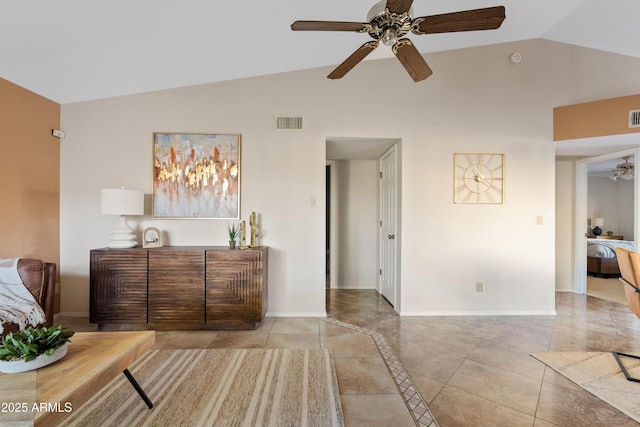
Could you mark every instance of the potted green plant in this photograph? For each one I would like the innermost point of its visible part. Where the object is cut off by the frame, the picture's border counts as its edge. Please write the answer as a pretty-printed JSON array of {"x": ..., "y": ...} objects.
[
  {"x": 234, "y": 232},
  {"x": 32, "y": 348}
]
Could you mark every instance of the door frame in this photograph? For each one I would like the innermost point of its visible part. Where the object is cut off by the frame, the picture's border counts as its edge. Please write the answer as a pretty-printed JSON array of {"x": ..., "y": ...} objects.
[
  {"x": 333, "y": 230},
  {"x": 580, "y": 226},
  {"x": 334, "y": 258}
]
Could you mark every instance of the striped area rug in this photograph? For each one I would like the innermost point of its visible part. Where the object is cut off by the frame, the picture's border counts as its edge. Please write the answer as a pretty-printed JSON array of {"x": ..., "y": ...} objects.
[{"x": 265, "y": 387}]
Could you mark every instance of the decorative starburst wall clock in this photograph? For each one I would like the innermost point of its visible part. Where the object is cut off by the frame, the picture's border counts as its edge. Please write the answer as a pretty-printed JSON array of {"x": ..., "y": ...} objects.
[{"x": 478, "y": 178}]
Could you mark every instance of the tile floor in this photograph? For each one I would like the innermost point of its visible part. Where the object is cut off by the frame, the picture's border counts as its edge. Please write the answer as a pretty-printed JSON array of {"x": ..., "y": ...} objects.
[{"x": 470, "y": 370}]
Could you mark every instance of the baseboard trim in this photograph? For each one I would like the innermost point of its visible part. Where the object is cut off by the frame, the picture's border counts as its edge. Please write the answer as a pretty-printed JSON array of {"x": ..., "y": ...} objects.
[
  {"x": 478, "y": 313},
  {"x": 71, "y": 314},
  {"x": 285, "y": 314}
]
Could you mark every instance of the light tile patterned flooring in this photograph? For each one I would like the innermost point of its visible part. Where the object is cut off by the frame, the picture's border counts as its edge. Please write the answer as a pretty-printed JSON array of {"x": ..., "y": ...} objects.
[{"x": 470, "y": 370}]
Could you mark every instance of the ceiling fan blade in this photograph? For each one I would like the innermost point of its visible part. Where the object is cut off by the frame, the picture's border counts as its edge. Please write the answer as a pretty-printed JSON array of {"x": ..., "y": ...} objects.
[
  {"x": 411, "y": 60},
  {"x": 399, "y": 6},
  {"x": 327, "y": 26},
  {"x": 353, "y": 60},
  {"x": 488, "y": 18}
]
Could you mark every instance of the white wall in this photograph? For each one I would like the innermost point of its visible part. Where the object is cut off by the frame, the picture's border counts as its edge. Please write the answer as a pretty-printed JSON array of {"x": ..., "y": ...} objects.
[
  {"x": 476, "y": 101},
  {"x": 357, "y": 186},
  {"x": 612, "y": 201},
  {"x": 626, "y": 208}
]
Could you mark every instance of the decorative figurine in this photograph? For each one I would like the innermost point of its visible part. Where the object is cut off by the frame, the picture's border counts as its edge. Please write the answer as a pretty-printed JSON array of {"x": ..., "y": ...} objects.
[
  {"x": 254, "y": 230},
  {"x": 243, "y": 235}
]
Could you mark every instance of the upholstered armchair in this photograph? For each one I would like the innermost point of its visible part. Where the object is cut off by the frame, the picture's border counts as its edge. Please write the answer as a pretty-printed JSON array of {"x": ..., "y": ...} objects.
[
  {"x": 629, "y": 263},
  {"x": 39, "y": 277}
]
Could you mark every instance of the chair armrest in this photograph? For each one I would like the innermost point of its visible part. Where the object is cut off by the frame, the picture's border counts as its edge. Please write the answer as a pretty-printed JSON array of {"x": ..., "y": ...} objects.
[{"x": 40, "y": 279}]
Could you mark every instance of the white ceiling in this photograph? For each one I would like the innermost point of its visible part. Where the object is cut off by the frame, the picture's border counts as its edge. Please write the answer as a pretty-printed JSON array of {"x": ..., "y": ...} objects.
[{"x": 78, "y": 50}]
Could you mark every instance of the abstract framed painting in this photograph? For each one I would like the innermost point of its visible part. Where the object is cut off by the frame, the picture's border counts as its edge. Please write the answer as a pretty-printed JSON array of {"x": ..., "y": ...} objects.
[{"x": 196, "y": 175}]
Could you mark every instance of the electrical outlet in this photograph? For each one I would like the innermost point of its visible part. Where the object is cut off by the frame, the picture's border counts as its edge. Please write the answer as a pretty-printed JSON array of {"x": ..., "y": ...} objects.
[
  {"x": 313, "y": 202},
  {"x": 479, "y": 286}
]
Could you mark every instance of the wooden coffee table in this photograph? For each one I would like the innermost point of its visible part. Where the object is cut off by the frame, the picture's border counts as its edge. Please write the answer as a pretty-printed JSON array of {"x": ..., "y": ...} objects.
[{"x": 47, "y": 395}]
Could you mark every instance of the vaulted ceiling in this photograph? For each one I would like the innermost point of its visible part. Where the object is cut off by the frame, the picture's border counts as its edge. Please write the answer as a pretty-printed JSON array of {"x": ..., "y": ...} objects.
[{"x": 76, "y": 50}]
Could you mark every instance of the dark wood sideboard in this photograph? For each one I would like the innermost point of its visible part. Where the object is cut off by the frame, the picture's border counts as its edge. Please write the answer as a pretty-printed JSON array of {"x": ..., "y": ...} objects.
[{"x": 178, "y": 288}]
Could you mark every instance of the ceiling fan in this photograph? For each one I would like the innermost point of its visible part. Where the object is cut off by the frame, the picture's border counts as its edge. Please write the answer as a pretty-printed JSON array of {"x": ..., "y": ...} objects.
[
  {"x": 623, "y": 170},
  {"x": 390, "y": 20}
]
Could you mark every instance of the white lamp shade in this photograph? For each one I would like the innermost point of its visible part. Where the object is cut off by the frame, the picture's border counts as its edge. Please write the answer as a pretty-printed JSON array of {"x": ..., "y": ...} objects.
[
  {"x": 121, "y": 202},
  {"x": 598, "y": 222}
]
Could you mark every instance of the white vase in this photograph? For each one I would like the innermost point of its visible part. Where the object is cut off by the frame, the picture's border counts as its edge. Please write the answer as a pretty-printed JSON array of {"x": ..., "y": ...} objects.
[{"x": 15, "y": 366}]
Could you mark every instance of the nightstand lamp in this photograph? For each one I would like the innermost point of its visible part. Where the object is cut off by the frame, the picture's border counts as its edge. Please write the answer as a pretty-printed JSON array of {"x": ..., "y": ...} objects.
[
  {"x": 597, "y": 223},
  {"x": 122, "y": 202}
]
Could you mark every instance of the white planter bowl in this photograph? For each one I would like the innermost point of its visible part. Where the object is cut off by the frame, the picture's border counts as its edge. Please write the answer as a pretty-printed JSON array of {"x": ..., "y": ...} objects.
[{"x": 15, "y": 366}]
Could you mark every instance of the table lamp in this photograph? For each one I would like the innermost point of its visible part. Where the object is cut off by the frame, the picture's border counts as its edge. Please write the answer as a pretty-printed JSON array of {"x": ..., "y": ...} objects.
[{"x": 122, "y": 202}]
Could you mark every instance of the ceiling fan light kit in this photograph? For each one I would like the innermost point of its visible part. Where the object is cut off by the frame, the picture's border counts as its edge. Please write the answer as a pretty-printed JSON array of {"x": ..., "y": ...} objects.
[
  {"x": 390, "y": 20},
  {"x": 623, "y": 171}
]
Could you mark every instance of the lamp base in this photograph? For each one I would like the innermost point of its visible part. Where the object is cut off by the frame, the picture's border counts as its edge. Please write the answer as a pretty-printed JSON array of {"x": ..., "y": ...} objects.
[
  {"x": 596, "y": 231},
  {"x": 114, "y": 244},
  {"x": 123, "y": 237}
]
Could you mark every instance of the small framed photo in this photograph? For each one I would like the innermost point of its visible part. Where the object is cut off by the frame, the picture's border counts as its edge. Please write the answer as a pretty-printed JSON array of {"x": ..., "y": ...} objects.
[{"x": 151, "y": 238}]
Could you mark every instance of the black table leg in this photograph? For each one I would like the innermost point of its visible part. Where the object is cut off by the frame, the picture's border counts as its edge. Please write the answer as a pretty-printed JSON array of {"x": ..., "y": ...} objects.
[
  {"x": 139, "y": 389},
  {"x": 622, "y": 367}
]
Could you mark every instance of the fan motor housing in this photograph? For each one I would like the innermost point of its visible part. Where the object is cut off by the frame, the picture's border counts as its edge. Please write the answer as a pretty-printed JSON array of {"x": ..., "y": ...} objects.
[{"x": 382, "y": 21}]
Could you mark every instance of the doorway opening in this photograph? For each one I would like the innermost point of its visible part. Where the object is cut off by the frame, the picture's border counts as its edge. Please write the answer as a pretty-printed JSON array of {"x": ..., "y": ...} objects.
[
  {"x": 352, "y": 178},
  {"x": 583, "y": 212}
]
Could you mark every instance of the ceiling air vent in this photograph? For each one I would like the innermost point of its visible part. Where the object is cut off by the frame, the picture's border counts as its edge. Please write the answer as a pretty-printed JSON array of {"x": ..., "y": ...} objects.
[
  {"x": 634, "y": 119},
  {"x": 288, "y": 122}
]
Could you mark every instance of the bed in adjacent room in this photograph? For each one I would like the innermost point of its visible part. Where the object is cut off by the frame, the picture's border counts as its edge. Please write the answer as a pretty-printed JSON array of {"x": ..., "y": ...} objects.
[{"x": 601, "y": 256}]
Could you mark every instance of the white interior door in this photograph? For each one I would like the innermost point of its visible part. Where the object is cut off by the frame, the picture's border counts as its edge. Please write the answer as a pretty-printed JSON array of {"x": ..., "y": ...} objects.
[{"x": 388, "y": 225}]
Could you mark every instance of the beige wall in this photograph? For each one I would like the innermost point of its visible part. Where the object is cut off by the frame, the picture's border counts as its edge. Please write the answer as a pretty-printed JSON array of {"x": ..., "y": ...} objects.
[
  {"x": 565, "y": 219},
  {"x": 595, "y": 76},
  {"x": 30, "y": 175},
  {"x": 597, "y": 118},
  {"x": 497, "y": 108}
]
